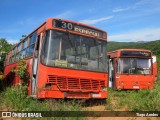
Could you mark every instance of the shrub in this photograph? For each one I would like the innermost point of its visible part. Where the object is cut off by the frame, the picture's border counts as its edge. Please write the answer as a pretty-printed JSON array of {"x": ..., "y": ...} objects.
[{"x": 22, "y": 71}]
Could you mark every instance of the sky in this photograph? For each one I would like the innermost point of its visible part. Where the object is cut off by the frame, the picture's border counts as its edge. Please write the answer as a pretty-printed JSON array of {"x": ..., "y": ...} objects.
[{"x": 124, "y": 20}]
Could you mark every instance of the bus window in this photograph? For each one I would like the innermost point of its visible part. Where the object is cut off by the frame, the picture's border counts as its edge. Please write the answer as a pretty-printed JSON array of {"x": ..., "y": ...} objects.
[
  {"x": 23, "y": 54},
  {"x": 19, "y": 47},
  {"x": 17, "y": 56},
  {"x": 74, "y": 51},
  {"x": 134, "y": 66},
  {"x": 33, "y": 38},
  {"x": 30, "y": 50},
  {"x": 25, "y": 43}
]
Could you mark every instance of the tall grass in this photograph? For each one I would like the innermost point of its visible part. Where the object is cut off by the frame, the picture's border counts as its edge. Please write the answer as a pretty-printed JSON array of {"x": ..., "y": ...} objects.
[
  {"x": 16, "y": 99},
  {"x": 142, "y": 100}
]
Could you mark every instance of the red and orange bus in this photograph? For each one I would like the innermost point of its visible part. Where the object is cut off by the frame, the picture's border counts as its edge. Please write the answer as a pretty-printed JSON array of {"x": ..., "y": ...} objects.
[
  {"x": 65, "y": 59},
  {"x": 131, "y": 69}
]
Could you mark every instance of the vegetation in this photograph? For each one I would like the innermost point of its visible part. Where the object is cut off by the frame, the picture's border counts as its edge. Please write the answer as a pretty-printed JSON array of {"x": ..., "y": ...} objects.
[
  {"x": 4, "y": 48},
  {"x": 142, "y": 100},
  {"x": 16, "y": 99},
  {"x": 22, "y": 71}
]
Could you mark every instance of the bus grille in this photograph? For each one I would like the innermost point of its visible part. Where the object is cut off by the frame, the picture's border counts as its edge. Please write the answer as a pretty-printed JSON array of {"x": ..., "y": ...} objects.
[{"x": 67, "y": 83}]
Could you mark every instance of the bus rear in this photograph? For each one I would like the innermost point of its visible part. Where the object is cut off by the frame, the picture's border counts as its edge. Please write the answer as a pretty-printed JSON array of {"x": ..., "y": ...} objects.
[{"x": 131, "y": 69}]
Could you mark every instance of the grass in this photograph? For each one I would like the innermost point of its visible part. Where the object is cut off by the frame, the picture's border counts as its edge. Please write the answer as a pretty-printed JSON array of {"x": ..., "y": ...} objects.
[
  {"x": 16, "y": 99},
  {"x": 142, "y": 100}
]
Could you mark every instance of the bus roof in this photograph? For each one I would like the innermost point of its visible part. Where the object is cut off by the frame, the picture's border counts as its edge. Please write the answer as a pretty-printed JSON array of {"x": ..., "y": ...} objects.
[
  {"x": 50, "y": 20},
  {"x": 129, "y": 52},
  {"x": 128, "y": 49},
  {"x": 78, "y": 23}
]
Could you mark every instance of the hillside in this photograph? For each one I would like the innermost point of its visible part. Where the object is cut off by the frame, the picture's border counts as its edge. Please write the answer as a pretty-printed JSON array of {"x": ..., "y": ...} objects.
[{"x": 154, "y": 46}]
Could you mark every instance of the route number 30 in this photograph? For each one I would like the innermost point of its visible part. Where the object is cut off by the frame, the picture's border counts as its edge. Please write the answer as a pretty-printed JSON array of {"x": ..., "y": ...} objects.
[{"x": 66, "y": 25}]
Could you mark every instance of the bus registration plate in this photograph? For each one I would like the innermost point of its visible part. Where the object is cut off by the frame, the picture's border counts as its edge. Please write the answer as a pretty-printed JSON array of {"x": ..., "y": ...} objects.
[
  {"x": 96, "y": 95},
  {"x": 136, "y": 87}
]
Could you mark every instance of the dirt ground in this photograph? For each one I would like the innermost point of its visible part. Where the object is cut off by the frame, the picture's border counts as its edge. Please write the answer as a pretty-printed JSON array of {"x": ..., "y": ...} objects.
[{"x": 102, "y": 108}]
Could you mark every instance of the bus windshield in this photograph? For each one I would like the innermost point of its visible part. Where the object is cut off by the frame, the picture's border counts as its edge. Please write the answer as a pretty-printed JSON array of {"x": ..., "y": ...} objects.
[
  {"x": 72, "y": 51},
  {"x": 134, "y": 66}
]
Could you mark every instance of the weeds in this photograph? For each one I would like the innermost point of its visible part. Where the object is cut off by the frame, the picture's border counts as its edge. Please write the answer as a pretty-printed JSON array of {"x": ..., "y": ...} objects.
[
  {"x": 16, "y": 99},
  {"x": 142, "y": 100}
]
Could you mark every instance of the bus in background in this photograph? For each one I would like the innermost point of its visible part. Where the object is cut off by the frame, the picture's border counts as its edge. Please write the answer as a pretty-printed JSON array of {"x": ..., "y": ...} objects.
[
  {"x": 131, "y": 69},
  {"x": 65, "y": 59}
]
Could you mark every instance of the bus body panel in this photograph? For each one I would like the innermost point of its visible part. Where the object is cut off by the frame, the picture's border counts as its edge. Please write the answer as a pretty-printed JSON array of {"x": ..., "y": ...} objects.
[
  {"x": 134, "y": 81},
  {"x": 55, "y": 82}
]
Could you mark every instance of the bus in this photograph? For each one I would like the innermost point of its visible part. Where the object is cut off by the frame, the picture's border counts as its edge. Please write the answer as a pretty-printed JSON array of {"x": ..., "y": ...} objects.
[
  {"x": 65, "y": 59},
  {"x": 131, "y": 69}
]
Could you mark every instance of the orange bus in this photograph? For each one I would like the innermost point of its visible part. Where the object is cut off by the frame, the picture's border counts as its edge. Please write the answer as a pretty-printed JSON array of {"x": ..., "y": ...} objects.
[
  {"x": 65, "y": 59},
  {"x": 131, "y": 69}
]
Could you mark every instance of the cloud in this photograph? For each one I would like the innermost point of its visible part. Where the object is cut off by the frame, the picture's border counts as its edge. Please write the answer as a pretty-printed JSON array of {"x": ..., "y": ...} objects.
[
  {"x": 140, "y": 4},
  {"x": 137, "y": 35},
  {"x": 12, "y": 41},
  {"x": 143, "y": 2},
  {"x": 67, "y": 14},
  {"x": 120, "y": 9},
  {"x": 95, "y": 21}
]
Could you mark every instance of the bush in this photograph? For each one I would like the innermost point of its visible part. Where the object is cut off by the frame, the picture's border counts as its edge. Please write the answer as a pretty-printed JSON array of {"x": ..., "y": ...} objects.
[
  {"x": 22, "y": 71},
  {"x": 17, "y": 99}
]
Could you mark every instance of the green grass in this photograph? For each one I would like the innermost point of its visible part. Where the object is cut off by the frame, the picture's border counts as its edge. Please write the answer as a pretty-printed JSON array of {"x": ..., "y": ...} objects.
[
  {"x": 16, "y": 99},
  {"x": 142, "y": 100}
]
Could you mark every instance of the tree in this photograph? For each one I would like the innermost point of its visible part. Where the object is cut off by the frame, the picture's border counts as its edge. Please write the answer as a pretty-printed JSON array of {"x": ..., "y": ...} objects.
[{"x": 4, "y": 48}]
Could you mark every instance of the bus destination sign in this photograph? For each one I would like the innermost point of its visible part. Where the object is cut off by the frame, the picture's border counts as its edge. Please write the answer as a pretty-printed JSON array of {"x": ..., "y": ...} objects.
[
  {"x": 136, "y": 53},
  {"x": 78, "y": 28}
]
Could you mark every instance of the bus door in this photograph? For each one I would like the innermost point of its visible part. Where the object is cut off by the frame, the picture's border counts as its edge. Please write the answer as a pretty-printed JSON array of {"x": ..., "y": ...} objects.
[
  {"x": 111, "y": 73},
  {"x": 35, "y": 65}
]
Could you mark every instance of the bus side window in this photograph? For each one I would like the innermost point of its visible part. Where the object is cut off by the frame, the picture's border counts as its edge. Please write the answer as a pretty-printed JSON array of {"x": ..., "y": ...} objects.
[
  {"x": 30, "y": 50},
  {"x": 37, "y": 46},
  {"x": 33, "y": 38}
]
